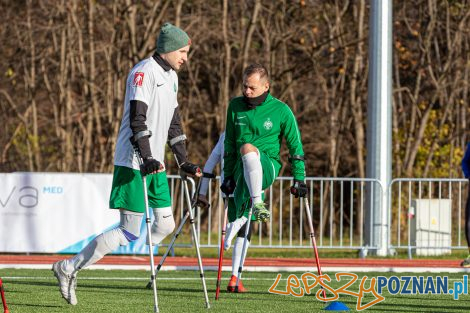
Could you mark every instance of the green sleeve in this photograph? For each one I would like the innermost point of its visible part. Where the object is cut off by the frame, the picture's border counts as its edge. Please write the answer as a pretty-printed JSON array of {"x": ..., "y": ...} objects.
[
  {"x": 294, "y": 142},
  {"x": 230, "y": 156}
]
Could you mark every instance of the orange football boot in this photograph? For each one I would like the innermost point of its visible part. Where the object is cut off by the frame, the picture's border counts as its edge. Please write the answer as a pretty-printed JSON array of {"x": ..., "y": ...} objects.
[{"x": 232, "y": 285}]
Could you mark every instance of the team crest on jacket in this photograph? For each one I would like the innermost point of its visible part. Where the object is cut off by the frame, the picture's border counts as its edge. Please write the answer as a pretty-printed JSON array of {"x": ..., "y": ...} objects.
[
  {"x": 268, "y": 124},
  {"x": 138, "y": 79}
]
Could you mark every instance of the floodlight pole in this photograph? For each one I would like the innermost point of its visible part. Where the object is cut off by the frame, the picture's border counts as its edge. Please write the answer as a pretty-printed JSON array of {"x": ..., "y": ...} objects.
[{"x": 379, "y": 124}]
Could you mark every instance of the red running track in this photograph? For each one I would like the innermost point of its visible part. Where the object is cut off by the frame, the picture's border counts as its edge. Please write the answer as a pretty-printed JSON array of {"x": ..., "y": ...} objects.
[{"x": 274, "y": 262}]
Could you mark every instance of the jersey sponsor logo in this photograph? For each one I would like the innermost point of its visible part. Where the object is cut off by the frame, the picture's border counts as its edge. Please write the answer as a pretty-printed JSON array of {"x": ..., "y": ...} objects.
[
  {"x": 138, "y": 79},
  {"x": 268, "y": 124},
  {"x": 240, "y": 117}
]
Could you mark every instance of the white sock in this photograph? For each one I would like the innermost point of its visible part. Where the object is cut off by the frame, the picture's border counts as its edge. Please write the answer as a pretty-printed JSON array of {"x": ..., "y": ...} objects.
[
  {"x": 237, "y": 254},
  {"x": 253, "y": 173},
  {"x": 232, "y": 231},
  {"x": 96, "y": 249},
  {"x": 163, "y": 225}
]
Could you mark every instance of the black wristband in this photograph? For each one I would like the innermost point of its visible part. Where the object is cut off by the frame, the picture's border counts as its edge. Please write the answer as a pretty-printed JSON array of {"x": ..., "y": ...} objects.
[{"x": 190, "y": 168}]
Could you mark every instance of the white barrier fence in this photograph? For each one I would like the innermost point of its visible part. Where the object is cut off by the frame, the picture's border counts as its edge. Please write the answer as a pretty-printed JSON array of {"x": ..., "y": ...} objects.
[
  {"x": 426, "y": 216},
  {"x": 61, "y": 213},
  {"x": 337, "y": 206}
]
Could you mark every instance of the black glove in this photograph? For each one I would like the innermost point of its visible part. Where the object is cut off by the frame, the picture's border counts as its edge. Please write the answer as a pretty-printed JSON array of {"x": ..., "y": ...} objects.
[
  {"x": 149, "y": 166},
  {"x": 202, "y": 202},
  {"x": 299, "y": 189},
  {"x": 189, "y": 168},
  {"x": 228, "y": 185}
]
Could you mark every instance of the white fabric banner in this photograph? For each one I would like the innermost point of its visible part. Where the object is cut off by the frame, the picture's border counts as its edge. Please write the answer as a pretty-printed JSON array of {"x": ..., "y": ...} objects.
[{"x": 56, "y": 213}]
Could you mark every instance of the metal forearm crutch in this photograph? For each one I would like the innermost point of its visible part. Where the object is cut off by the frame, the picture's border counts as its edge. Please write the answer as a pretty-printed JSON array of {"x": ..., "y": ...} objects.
[
  {"x": 195, "y": 238},
  {"x": 221, "y": 250},
  {"x": 179, "y": 229},
  {"x": 149, "y": 233},
  {"x": 314, "y": 242},
  {"x": 245, "y": 248}
]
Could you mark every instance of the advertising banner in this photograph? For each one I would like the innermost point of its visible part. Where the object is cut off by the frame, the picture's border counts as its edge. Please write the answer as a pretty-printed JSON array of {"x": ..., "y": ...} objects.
[{"x": 57, "y": 213}]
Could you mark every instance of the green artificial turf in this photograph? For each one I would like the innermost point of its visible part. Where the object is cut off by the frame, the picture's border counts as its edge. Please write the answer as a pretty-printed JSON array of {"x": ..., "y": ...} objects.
[{"x": 29, "y": 290}]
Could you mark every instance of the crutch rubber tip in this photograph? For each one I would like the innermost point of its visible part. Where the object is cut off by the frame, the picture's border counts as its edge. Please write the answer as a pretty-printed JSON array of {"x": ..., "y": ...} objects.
[{"x": 149, "y": 285}]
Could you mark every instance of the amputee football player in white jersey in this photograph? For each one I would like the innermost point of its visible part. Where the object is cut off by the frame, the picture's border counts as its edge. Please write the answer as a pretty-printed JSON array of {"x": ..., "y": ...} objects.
[{"x": 152, "y": 120}]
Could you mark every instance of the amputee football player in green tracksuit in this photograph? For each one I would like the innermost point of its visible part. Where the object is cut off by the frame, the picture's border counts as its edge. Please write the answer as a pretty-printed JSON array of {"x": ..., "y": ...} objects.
[{"x": 256, "y": 124}]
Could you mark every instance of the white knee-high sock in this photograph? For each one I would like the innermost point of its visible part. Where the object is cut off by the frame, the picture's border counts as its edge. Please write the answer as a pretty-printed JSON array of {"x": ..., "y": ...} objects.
[
  {"x": 96, "y": 249},
  {"x": 253, "y": 173},
  {"x": 237, "y": 254},
  {"x": 232, "y": 231}
]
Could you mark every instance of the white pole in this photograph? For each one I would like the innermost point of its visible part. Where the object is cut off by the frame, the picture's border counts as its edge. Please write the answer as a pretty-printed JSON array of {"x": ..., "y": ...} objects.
[{"x": 379, "y": 123}]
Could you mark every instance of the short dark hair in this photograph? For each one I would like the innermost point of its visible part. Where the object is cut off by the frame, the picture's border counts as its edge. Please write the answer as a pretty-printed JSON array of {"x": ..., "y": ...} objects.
[{"x": 256, "y": 68}]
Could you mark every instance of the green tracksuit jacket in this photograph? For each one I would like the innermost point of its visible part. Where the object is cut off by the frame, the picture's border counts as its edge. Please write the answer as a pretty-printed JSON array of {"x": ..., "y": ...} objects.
[{"x": 263, "y": 127}]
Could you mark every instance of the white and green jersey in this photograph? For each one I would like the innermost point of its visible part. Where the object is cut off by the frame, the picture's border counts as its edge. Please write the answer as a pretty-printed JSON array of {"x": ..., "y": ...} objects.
[{"x": 150, "y": 83}]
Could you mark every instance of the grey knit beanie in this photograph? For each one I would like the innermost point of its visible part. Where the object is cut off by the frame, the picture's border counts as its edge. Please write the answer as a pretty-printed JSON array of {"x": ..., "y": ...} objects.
[{"x": 171, "y": 38}]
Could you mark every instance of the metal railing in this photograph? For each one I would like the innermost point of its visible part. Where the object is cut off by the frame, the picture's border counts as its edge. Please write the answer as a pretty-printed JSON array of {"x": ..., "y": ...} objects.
[
  {"x": 338, "y": 208},
  {"x": 447, "y": 195}
]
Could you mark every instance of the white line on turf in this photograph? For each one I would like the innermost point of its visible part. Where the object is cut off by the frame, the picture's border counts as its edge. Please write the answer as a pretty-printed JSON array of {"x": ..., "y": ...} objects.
[
  {"x": 123, "y": 278},
  {"x": 146, "y": 278},
  {"x": 275, "y": 269}
]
